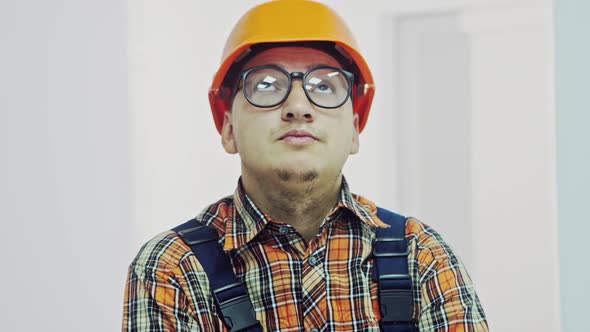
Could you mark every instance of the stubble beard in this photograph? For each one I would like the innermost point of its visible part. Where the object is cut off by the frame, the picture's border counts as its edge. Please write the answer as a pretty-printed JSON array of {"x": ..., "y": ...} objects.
[{"x": 300, "y": 177}]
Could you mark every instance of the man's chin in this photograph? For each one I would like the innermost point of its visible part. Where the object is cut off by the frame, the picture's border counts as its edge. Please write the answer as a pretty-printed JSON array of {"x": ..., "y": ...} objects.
[{"x": 297, "y": 176}]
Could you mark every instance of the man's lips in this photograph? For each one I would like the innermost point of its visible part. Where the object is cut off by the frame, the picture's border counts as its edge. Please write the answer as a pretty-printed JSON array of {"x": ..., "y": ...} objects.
[
  {"x": 298, "y": 137},
  {"x": 297, "y": 133}
]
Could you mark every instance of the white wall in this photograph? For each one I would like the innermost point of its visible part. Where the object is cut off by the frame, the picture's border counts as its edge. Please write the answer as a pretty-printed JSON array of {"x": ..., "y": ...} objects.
[
  {"x": 65, "y": 179},
  {"x": 513, "y": 165}
]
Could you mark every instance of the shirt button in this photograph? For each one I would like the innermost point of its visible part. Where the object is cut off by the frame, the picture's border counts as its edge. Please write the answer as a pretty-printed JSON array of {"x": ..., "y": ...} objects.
[
  {"x": 284, "y": 230},
  {"x": 314, "y": 330},
  {"x": 312, "y": 261}
]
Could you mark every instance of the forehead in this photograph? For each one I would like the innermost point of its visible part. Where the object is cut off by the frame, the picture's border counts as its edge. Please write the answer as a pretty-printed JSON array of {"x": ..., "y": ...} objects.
[{"x": 293, "y": 58}]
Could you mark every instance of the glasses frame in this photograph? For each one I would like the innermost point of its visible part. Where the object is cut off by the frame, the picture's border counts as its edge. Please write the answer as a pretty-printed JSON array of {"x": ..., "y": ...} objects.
[{"x": 295, "y": 75}]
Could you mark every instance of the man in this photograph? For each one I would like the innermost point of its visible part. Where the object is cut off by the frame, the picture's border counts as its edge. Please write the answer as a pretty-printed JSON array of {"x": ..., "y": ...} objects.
[{"x": 291, "y": 97}]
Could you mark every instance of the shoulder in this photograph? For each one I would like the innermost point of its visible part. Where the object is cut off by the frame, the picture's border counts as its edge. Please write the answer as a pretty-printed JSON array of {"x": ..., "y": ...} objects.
[
  {"x": 428, "y": 247},
  {"x": 163, "y": 253},
  {"x": 168, "y": 253}
]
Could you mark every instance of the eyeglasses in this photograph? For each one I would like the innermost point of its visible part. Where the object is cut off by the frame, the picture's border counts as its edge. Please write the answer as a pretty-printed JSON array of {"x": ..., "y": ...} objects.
[{"x": 268, "y": 86}]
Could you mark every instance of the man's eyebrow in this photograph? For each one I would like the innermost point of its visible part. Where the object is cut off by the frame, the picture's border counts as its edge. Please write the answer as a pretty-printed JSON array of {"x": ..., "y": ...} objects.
[
  {"x": 316, "y": 65},
  {"x": 307, "y": 67}
]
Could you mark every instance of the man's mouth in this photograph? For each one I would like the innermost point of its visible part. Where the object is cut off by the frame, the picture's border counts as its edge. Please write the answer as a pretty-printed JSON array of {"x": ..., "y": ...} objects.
[{"x": 298, "y": 137}]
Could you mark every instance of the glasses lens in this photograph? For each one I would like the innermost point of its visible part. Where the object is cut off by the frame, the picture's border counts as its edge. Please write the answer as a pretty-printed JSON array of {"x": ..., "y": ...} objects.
[
  {"x": 327, "y": 87},
  {"x": 266, "y": 86}
]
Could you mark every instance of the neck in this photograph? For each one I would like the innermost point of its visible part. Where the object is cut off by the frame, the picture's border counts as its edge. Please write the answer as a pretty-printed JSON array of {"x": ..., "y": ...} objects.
[{"x": 300, "y": 202}]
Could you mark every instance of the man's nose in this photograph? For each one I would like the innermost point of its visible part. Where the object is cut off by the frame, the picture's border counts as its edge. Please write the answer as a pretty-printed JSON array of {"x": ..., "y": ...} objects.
[{"x": 297, "y": 106}]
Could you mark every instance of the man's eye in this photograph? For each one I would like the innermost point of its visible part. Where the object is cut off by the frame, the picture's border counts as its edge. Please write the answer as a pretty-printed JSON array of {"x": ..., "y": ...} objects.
[
  {"x": 265, "y": 86},
  {"x": 322, "y": 88}
]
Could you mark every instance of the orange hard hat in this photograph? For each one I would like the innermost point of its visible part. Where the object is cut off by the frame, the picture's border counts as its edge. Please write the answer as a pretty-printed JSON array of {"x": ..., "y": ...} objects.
[{"x": 290, "y": 21}]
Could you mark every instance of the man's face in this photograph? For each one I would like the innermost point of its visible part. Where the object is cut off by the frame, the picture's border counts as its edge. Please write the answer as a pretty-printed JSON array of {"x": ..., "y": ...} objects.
[{"x": 296, "y": 140}]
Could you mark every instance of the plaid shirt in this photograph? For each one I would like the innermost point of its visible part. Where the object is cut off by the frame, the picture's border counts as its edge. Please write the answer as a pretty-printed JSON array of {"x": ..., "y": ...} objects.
[{"x": 325, "y": 285}]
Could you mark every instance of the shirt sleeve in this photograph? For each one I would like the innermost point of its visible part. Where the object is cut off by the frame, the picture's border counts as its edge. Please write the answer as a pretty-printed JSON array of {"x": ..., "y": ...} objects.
[{"x": 448, "y": 299}]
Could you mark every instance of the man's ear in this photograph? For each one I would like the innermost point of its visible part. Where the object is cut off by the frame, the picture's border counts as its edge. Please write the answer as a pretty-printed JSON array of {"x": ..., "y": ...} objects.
[
  {"x": 227, "y": 134},
  {"x": 354, "y": 148}
]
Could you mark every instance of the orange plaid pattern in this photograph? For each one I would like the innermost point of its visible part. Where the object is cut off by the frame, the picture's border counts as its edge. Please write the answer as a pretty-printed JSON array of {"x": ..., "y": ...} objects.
[{"x": 325, "y": 285}]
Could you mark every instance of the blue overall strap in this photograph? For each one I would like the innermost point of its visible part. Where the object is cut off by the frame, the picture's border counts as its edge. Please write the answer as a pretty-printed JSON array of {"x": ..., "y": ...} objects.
[
  {"x": 230, "y": 295},
  {"x": 390, "y": 271}
]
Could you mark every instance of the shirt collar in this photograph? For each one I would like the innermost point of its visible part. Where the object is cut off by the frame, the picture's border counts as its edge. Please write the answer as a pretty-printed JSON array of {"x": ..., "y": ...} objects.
[
  {"x": 247, "y": 220},
  {"x": 363, "y": 208}
]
